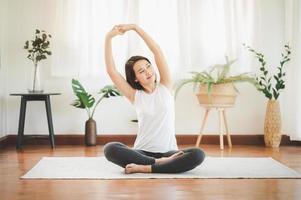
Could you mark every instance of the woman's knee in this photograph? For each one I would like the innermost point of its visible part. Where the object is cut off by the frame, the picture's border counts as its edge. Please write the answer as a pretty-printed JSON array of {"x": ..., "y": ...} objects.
[
  {"x": 110, "y": 148},
  {"x": 198, "y": 155}
]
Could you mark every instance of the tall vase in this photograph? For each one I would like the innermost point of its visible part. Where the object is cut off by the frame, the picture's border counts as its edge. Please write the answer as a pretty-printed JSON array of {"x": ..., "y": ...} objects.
[
  {"x": 90, "y": 132},
  {"x": 35, "y": 85},
  {"x": 272, "y": 124}
]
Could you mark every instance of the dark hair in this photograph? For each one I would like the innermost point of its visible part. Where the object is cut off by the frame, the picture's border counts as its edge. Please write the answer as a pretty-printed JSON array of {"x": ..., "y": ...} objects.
[{"x": 130, "y": 73}]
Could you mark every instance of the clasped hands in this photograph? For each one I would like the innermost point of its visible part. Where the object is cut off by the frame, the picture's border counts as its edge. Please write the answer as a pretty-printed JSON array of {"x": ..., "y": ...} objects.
[{"x": 120, "y": 29}]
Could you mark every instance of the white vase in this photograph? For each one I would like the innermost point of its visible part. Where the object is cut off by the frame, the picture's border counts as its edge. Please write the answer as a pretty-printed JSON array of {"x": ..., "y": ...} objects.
[{"x": 35, "y": 85}]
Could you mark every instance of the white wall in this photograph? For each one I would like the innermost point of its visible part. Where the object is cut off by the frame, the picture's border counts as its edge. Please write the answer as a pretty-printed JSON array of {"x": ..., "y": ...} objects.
[
  {"x": 113, "y": 116},
  {"x": 3, "y": 20}
]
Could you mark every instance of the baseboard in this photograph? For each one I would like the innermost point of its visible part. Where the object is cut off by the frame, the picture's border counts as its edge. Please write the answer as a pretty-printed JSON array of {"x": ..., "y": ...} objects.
[
  {"x": 129, "y": 139},
  {"x": 4, "y": 141}
]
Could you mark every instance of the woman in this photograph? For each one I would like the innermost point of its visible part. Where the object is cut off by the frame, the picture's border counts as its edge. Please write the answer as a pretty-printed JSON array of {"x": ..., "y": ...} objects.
[{"x": 155, "y": 149}]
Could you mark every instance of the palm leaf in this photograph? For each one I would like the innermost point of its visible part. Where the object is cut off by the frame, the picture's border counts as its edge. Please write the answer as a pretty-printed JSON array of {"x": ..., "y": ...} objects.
[
  {"x": 86, "y": 100},
  {"x": 77, "y": 87},
  {"x": 110, "y": 91},
  {"x": 240, "y": 78},
  {"x": 226, "y": 69},
  {"x": 209, "y": 88},
  {"x": 208, "y": 77},
  {"x": 78, "y": 104}
]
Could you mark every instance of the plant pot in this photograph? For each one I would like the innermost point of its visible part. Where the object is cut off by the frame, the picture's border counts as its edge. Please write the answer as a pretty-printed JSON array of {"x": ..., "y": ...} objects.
[
  {"x": 221, "y": 94},
  {"x": 90, "y": 132},
  {"x": 272, "y": 124}
]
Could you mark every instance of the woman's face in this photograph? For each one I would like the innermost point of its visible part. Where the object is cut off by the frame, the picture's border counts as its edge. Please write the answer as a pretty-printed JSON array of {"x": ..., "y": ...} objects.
[{"x": 144, "y": 72}]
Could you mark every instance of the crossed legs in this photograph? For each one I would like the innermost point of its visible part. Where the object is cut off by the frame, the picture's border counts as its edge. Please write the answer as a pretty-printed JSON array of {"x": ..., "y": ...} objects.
[{"x": 147, "y": 162}]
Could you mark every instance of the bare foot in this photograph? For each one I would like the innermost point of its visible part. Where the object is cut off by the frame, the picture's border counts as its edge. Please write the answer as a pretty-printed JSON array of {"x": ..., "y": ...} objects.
[
  {"x": 133, "y": 168},
  {"x": 173, "y": 156}
]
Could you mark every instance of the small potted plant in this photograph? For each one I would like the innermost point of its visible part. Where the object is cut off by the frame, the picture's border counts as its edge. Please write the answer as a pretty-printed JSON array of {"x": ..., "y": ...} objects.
[
  {"x": 216, "y": 86},
  {"x": 38, "y": 50},
  {"x": 87, "y": 101},
  {"x": 270, "y": 86}
]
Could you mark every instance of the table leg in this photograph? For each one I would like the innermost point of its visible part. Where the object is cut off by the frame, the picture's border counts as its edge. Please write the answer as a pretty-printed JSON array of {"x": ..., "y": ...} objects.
[
  {"x": 49, "y": 120},
  {"x": 227, "y": 130},
  {"x": 221, "y": 139},
  {"x": 21, "y": 122},
  {"x": 202, "y": 128}
]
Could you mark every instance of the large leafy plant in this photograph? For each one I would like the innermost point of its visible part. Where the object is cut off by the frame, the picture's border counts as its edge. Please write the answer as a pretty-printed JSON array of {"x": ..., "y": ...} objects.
[
  {"x": 217, "y": 74},
  {"x": 271, "y": 85},
  {"x": 87, "y": 101}
]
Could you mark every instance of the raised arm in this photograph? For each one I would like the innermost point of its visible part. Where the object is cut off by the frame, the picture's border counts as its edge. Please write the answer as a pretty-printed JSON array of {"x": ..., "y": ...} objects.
[
  {"x": 115, "y": 76},
  {"x": 165, "y": 77}
]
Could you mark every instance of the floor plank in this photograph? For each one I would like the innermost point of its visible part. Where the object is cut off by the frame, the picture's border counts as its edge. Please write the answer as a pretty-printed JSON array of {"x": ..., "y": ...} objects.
[{"x": 16, "y": 163}]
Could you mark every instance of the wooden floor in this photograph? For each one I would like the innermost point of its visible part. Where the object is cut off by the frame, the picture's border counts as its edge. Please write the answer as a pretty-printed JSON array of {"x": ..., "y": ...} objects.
[{"x": 13, "y": 164}]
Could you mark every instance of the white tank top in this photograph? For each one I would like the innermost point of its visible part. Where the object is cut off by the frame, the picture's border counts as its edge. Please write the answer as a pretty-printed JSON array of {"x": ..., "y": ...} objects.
[{"x": 156, "y": 120}]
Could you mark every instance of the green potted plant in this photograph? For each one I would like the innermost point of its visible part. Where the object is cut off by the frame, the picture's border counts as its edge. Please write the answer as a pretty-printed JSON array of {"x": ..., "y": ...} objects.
[
  {"x": 38, "y": 50},
  {"x": 270, "y": 86},
  {"x": 87, "y": 101},
  {"x": 216, "y": 86}
]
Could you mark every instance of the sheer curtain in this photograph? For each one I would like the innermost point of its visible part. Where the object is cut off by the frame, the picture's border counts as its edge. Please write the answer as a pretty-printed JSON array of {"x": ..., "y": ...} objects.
[
  {"x": 79, "y": 29},
  {"x": 292, "y": 94},
  {"x": 213, "y": 29},
  {"x": 192, "y": 34}
]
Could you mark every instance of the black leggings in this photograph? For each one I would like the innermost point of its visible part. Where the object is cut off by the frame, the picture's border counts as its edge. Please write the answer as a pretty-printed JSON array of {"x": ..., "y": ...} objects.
[{"x": 122, "y": 155}]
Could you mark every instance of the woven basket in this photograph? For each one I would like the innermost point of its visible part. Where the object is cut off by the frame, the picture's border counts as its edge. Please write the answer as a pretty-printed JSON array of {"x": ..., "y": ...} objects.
[
  {"x": 272, "y": 124},
  {"x": 221, "y": 94}
]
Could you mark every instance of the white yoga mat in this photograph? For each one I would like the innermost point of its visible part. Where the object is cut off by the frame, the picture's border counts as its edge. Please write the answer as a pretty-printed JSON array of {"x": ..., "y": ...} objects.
[{"x": 212, "y": 167}]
